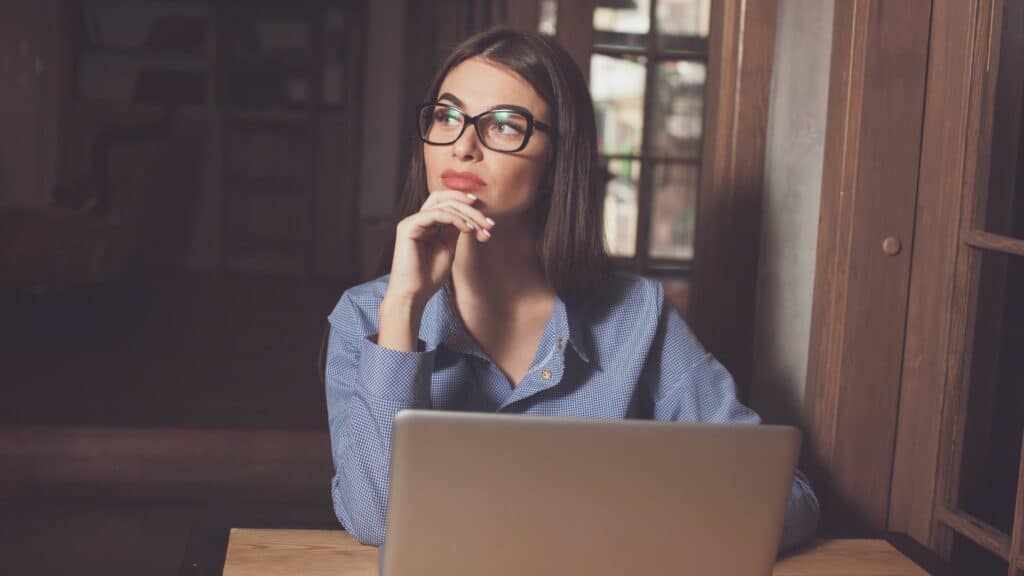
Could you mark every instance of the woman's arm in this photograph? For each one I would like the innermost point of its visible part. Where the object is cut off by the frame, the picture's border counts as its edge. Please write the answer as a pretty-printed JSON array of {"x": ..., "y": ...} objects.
[
  {"x": 367, "y": 385},
  {"x": 376, "y": 368},
  {"x": 689, "y": 384}
]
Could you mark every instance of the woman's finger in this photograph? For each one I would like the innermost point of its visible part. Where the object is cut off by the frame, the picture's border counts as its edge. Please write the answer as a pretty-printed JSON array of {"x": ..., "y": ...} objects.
[
  {"x": 421, "y": 223},
  {"x": 438, "y": 196},
  {"x": 470, "y": 213},
  {"x": 482, "y": 234}
]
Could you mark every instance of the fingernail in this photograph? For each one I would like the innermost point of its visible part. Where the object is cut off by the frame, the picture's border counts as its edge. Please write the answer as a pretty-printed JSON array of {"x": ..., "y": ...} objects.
[
  {"x": 470, "y": 196},
  {"x": 486, "y": 233}
]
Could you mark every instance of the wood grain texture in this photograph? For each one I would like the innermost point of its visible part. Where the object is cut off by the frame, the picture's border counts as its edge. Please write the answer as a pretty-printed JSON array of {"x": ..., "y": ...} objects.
[
  {"x": 308, "y": 552},
  {"x": 933, "y": 266},
  {"x": 995, "y": 242},
  {"x": 872, "y": 146},
  {"x": 314, "y": 552},
  {"x": 966, "y": 274},
  {"x": 848, "y": 558},
  {"x": 977, "y": 531}
]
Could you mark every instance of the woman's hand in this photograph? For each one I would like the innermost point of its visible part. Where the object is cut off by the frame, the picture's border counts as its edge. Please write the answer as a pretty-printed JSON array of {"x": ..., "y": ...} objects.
[{"x": 424, "y": 251}]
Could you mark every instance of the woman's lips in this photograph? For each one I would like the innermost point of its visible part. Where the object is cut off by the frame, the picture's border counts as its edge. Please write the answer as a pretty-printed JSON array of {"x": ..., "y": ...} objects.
[{"x": 461, "y": 181}]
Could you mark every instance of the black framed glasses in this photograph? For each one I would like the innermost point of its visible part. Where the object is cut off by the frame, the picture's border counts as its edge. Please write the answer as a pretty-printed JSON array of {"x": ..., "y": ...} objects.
[{"x": 502, "y": 129}]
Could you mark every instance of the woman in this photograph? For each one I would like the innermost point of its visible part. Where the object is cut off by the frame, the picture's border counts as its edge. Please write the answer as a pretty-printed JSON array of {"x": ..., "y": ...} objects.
[{"x": 500, "y": 296}]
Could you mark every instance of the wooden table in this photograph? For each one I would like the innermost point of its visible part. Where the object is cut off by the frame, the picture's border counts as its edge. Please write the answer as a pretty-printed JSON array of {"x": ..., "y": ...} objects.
[{"x": 254, "y": 552}]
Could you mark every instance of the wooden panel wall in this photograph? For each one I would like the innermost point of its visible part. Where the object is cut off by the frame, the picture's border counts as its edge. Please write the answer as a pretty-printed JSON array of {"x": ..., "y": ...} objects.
[{"x": 264, "y": 465}]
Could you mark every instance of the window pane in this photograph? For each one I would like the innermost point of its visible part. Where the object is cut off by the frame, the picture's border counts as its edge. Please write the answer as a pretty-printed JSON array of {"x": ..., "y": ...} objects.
[
  {"x": 678, "y": 113},
  {"x": 995, "y": 403},
  {"x": 684, "y": 24},
  {"x": 621, "y": 22},
  {"x": 969, "y": 558},
  {"x": 674, "y": 210},
  {"x": 617, "y": 86},
  {"x": 1003, "y": 209},
  {"x": 548, "y": 17},
  {"x": 620, "y": 207}
]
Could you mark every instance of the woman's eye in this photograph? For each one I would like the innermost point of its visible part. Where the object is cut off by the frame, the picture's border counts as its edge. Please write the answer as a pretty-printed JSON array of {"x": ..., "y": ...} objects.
[
  {"x": 446, "y": 116},
  {"x": 507, "y": 126}
]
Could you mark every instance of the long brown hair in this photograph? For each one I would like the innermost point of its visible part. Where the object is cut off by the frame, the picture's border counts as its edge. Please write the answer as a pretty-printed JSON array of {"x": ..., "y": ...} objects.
[{"x": 570, "y": 207}]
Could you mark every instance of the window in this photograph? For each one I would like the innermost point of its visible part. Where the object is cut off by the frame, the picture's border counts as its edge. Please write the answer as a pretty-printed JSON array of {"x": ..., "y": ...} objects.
[{"x": 648, "y": 69}]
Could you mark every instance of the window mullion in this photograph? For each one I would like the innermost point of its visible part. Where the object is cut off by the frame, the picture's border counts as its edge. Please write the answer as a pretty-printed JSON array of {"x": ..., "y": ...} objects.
[{"x": 644, "y": 201}]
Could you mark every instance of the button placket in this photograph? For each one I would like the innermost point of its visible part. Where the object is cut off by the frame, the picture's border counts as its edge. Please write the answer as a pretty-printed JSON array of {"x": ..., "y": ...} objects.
[{"x": 547, "y": 375}]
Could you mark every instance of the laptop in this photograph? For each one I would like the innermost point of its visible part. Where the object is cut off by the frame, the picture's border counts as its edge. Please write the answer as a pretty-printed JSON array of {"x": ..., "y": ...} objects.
[{"x": 496, "y": 494}]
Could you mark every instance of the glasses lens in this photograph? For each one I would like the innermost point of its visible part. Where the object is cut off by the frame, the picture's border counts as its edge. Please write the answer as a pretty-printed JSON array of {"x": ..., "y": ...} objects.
[
  {"x": 503, "y": 129},
  {"x": 440, "y": 124}
]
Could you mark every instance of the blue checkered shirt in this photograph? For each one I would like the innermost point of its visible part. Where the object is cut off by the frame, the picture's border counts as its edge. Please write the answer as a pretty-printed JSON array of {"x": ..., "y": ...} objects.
[{"x": 632, "y": 358}]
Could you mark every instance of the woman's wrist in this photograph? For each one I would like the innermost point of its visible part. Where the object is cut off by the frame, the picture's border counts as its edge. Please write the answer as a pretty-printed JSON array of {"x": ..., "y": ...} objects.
[
  {"x": 401, "y": 300},
  {"x": 400, "y": 317}
]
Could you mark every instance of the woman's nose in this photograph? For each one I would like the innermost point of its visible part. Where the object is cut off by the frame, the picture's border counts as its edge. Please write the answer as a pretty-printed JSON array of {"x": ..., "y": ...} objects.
[{"x": 468, "y": 145}]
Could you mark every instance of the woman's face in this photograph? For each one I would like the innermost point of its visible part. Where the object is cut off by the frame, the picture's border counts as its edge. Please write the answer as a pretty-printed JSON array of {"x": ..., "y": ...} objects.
[{"x": 505, "y": 182}]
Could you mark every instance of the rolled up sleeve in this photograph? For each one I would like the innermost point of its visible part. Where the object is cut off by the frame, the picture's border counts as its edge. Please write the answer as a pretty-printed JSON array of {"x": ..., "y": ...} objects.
[{"x": 366, "y": 385}]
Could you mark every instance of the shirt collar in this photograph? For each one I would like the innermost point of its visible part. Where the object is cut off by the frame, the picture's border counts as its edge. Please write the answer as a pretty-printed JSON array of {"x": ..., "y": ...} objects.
[
  {"x": 567, "y": 322},
  {"x": 572, "y": 322}
]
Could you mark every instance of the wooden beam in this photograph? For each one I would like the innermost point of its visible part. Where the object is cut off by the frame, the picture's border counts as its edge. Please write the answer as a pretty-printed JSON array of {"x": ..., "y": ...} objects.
[
  {"x": 995, "y": 242},
  {"x": 732, "y": 183},
  {"x": 576, "y": 35},
  {"x": 979, "y": 532}
]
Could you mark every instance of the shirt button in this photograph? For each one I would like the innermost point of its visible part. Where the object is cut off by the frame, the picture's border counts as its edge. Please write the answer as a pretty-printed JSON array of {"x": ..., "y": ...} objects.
[
  {"x": 560, "y": 344},
  {"x": 546, "y": 374}
]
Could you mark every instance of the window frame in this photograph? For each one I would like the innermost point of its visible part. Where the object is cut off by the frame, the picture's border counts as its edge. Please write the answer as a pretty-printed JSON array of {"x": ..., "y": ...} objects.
[
  {"x": 723, "y": 271},
  {"x": 973, "y": 244},
  {"x": 642, "y": 262}
]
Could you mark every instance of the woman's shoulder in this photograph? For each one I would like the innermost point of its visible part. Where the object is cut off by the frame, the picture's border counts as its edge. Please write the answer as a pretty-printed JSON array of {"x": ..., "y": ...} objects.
[
  {"x": 627, "y": 298},
  {"x": 627, "y": 289},
  {"x": 370, "y": 292}
]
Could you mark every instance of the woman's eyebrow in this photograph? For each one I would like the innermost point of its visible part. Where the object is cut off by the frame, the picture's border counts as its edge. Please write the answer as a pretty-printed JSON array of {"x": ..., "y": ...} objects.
[
  {"x": 455, "y": 100},
  {"x": 452, "y": 98},
  {"x": 510, "y": 108}
]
